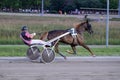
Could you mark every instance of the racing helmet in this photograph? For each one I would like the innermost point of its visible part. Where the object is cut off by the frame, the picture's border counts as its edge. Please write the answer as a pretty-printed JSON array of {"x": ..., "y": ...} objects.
[{"x": 24, "y": 28}]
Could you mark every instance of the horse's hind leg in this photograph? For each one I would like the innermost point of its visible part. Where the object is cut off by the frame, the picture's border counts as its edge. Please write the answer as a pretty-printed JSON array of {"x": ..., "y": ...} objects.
[
  {"x": 74, "y": 49},
  {"x": 57, "y": 51}
]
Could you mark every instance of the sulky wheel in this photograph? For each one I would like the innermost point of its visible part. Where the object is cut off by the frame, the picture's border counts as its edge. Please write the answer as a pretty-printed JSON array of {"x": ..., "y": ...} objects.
[
  {"x": 33, "y": 53},
  {"x": 47, "y": 55}
]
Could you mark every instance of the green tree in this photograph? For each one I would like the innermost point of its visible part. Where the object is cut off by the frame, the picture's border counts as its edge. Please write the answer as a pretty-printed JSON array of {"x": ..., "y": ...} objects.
[
  {"x": 69, "y": 5},
  {"x": 64, "y": 5},
  {"x": 2, "y": 3},
  {"x": 87, "y": 3},
  {"x": 47, "y": 4},
  {"x": 11, "y": 4},
  {"x": 114, "y": 4},
  {"x": 57, "y": 4}
]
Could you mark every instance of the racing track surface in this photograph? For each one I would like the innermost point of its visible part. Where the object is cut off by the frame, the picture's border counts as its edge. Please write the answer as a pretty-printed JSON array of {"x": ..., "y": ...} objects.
[{"x": 74, "y": 68}]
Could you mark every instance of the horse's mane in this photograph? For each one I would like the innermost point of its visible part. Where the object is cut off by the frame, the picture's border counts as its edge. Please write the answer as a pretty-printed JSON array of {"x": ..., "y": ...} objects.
[{"x": 78, "y": 25}]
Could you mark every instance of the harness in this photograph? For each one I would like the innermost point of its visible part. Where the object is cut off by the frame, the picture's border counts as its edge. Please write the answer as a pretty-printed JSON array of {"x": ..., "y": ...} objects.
[{"x": 73, "y": 34}]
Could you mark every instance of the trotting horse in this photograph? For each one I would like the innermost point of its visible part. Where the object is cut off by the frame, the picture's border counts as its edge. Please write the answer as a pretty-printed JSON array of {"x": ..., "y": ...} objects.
[{"x": 69, "y": 39}]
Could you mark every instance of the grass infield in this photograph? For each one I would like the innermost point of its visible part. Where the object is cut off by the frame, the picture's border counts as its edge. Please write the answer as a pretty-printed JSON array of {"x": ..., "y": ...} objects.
[{"x": 20, "y": 50}]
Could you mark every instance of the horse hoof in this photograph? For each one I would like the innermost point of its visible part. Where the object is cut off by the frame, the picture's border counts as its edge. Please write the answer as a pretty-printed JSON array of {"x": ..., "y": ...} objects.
[
  {"x": 65, "y": 58},
  {"x": 68, "y": 51},
  {"x": 93, "y": 55}
]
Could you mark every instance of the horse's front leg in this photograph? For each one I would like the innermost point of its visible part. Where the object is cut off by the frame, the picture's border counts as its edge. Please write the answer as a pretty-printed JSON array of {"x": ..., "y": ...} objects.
[
  {"x": 80, "y": 42},
  {"x": 86, "y": 47},
  {"x": 57, "y": 51}
]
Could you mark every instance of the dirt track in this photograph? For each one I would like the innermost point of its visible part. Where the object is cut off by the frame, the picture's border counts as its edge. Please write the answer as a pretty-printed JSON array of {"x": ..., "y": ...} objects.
[{"x": 79, "y": 68}]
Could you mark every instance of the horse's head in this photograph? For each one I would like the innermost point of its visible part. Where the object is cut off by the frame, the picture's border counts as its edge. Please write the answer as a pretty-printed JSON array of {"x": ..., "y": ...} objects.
[
  {"x": 84, "y": 26},
  {"x": 88, "y": 27}
]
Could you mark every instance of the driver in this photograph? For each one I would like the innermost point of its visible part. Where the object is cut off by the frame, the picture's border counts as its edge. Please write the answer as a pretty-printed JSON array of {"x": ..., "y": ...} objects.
[{"x": 28, "y": 38}]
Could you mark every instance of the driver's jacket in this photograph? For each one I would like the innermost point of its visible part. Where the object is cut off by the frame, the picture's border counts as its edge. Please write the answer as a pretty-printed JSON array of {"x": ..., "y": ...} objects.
[{"x": 26, "y": 37}]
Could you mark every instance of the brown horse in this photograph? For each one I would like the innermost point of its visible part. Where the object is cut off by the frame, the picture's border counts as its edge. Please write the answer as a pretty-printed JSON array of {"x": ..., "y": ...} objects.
[{"x": 69, "y": 39}]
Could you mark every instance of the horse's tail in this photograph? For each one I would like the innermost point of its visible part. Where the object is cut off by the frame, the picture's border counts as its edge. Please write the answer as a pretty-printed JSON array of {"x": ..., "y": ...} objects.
[{"x": 44, "y": 36}]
